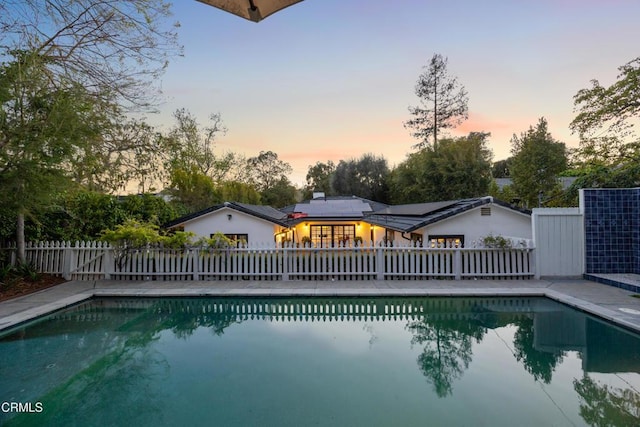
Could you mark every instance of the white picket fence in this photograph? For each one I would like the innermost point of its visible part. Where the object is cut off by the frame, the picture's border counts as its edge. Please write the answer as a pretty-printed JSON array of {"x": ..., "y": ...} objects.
[{"x": 97, "y": 260}]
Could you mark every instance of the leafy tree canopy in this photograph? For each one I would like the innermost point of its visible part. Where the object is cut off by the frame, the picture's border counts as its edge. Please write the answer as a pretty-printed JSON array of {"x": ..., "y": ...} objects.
[
  {"x": 280, "y": 194},
  {"x": 266, "y": 169},
  {"x": 609, "y": 151},
  {"x": 67, "y": 69},
  {"x": 364, "y": 177},
  {"x": 538, "y": 159},
  {"x": 319, "y": 179},
  {"x": 614, "y": 108},
  {"x": 461, "y": 168}
]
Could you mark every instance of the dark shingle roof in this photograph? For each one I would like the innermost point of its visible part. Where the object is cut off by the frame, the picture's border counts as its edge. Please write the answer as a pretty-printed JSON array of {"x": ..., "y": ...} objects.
[
  {"x": 334, "y": 208},
  {"x": 260, "y": 211},
  {"x": 407, "y": 218},
  {"x": 404, "y": 218},
  {"x": 415, "y": 209}
]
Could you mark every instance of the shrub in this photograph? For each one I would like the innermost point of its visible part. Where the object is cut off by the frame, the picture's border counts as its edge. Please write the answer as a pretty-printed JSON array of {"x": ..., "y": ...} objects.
[
  {"x": 132, "y": 234},
  {"x": 217, "y": 241},
  {"x": 12, "y": 274},
  {"x": 492, "y": 241}
]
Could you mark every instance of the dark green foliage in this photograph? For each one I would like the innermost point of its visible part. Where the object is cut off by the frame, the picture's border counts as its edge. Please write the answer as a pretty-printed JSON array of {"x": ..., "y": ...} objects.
[
  {"x": 461, "y": 168},
  {"x": 84, "y": 215},
  {"x": 35, "y": 149},
  {"x": 506, "y": 193},
  {"x": 613, "y": 107},
  {"x": 280, "y": 194},
  {"x": 540, "y": 364},
  {"x": 538, "y": 159},
  {"x": 266, "y": 169},
  {"x": 193, "y": 190},
  {"x": 502, "y": 168},
  {"x": 448, "y": 349},
  {"x": 234, "y": 191},
  {"x": 319, "y": 179},
  {"x": 13, "y": 274},
  {"x": 604, "y": 405},
  {"x": 364, "y": 177},
  {"x": 609, "y": 152},
  {"x": 148, "y": 208},
  {"x": 624, "y": 175}
]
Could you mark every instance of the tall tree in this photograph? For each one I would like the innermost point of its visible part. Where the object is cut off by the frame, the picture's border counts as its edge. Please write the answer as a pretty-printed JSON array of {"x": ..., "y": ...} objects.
[
  {"x": 266, "y": 170},
  {"x": 192, "y": 147},
  {"x": 609, "y": 151},
  {"x": 364, "y": 177},
  {"x": 192, "y": 189},
  {"x": 126, "y": 152},
  {"x": 319, "y": 178},
  {"x": 538, "y": 160},
  {"x": 460, "y": 168},
  {"x": 69, "y": 65},
  {"x": 443, "y": 103},
  {"x": 41, "y": 129}
]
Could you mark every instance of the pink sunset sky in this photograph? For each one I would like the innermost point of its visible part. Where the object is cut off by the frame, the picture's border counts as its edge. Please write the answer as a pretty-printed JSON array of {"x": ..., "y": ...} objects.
[{"x": 333, "y": 79}]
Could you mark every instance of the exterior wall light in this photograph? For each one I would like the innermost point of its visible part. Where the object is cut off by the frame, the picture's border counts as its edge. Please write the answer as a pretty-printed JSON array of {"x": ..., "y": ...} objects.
[{"x": 229, "y": 216}]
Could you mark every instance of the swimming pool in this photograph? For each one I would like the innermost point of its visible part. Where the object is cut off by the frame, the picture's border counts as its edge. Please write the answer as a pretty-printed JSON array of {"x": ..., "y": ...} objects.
[{"x": 320, "y": 361}]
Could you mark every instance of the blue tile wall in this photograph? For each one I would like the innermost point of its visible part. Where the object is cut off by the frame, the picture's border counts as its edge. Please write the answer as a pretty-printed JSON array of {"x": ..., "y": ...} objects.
[{"x": 612, "y": 230}]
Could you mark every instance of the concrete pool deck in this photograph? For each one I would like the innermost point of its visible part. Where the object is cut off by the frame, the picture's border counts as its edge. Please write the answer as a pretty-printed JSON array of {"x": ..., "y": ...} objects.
[{"x": 610, "y": 303}]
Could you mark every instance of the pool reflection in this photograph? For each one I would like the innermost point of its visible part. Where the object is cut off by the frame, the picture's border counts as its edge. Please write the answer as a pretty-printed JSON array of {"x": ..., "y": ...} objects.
[{"x": 443, "y": 331}]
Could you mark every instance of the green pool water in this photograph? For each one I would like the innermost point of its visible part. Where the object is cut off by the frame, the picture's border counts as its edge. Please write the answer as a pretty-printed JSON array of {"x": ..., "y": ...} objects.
[{"x": 321, "y": 362}]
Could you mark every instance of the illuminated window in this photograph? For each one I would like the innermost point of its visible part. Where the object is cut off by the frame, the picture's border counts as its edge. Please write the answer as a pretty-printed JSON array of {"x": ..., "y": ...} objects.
[
  {"x": 325, "y": 236},
  {"x": 446, "y": 241}
]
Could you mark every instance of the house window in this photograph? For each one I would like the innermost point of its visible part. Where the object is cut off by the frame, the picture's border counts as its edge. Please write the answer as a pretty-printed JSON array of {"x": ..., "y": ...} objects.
[
  {"x": 446, "y": 241},
  {"x": 325, "y": 236},
  {"x": 416, "y": 239},
  {"x": 389, "y": 236}
]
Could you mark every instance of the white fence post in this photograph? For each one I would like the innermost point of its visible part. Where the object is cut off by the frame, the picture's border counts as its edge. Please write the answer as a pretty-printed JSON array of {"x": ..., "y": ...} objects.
[
  {"x": 380, "y": 263},
  {"x": 534, "y": 265},
  {"x": 67, "y": 263},
  {"x": 457, "y": 264},
  {"x": 195, "y": 262},
  {"x": 285, "y": 262},
  {"x": 107, "y": 262}
]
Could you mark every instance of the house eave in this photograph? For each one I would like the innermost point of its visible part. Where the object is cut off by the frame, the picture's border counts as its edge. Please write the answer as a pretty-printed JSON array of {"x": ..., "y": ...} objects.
[{"x": 227, "y": 205}]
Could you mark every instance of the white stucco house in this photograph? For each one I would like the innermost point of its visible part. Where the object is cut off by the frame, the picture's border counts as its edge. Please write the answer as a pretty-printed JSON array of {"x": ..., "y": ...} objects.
[
  {"x": 238, "y": 221},
  {"x": 332, "y": 221},
  {"x": 459, "y": 223}
]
